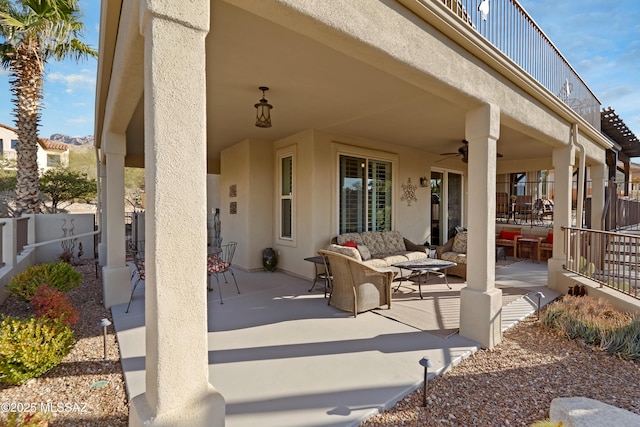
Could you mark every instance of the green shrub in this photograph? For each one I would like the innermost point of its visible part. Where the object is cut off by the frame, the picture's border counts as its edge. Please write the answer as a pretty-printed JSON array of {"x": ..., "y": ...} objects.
[
  {"x": 623, "y": 341},
  {"x": 26, "y": 419},
  {"x": 595, "y": 322},
  {"x": 58, "y": 275},
  {"x": 54, "y": 305},
  {"x": 29, "y": 348}
]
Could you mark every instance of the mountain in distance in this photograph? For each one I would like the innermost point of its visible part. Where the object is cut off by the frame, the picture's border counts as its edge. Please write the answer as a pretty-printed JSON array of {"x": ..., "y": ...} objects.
[{"x": 76, "y": 143}]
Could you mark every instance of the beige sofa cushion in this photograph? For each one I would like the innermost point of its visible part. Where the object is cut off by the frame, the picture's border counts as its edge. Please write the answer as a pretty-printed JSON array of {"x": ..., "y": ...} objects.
[
  {"x": 460, "y": 243},
  {"x": 365, "y": 253},
  {"x": 373, "y": 241},
  {"x": 345, "y": 250},
  {"x": 394, "y": 241},
  {"x": 384, "y": 248},
  {"x": 355, "y": 237},
  {"x": 456, "y": 257}
]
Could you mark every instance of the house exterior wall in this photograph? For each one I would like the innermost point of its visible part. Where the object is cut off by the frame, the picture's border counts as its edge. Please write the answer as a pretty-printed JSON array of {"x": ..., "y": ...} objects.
[
  {"x": 7, "y": 134},
  {"x": 253, "y": 167},
  {"x": 247, "y": 166},
  {"x": 43, "y": 160}
]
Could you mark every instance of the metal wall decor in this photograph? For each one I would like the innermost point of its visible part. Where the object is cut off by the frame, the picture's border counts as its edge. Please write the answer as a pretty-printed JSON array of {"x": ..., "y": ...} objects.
[{"x": 409, "y": 192}]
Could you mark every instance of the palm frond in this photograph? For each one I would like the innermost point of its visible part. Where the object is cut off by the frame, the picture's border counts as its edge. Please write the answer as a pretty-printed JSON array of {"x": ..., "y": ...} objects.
[{"x": 72, "y": 48}]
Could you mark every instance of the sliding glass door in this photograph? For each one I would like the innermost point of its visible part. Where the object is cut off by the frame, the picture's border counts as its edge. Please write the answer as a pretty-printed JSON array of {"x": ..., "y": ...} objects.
[{"x": 446, "y": 205}]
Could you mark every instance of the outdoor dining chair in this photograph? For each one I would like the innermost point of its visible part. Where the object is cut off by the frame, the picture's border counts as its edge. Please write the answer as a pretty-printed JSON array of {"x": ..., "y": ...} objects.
[
  {"x": 220, "y": 263},
  {"x": 137, "y": 270}
]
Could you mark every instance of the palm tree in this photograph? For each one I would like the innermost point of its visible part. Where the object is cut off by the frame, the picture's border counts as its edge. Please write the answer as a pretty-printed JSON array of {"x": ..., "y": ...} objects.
[{"x": 31, "y": 33}]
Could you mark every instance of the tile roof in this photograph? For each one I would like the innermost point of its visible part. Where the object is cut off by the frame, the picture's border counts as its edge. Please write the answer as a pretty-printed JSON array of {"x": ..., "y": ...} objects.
[
  {"x": 48, "y": 144},
  {"x": 45, "y": 143}
]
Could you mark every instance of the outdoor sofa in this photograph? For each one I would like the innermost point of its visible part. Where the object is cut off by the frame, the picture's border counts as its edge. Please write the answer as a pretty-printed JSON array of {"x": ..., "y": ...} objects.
[{"x": 378, "y": 248}]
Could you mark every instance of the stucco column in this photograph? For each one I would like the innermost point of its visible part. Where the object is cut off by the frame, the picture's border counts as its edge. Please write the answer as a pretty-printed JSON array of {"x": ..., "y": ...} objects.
[
  {"x": 102, "y": 246},
  {"x": 480, "y": 300},
  {"x": 564, "y": 160},
  {"x": 178, "y": 392},
  {"x": 116, "y": 276},
  {"x": 598, "y": 182}
]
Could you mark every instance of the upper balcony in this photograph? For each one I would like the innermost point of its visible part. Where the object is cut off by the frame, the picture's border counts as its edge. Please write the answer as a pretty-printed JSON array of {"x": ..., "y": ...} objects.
[{"x": 508, "y": 27}]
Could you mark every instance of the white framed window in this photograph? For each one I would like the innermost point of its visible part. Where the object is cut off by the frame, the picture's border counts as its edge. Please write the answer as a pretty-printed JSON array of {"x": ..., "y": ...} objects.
[
  {"x": 53, "y": 160},
  {"x": 14, "y": 144},
  {"x": 365, "y": 193},
  {"x": 286, "y": 194}
]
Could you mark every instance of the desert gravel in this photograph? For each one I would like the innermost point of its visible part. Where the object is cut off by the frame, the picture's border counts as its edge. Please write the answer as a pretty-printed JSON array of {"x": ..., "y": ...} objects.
[{"x": 511, "y": 385}]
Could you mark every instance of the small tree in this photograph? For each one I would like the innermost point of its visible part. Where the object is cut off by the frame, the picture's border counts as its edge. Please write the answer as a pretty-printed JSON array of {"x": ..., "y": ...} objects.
[{"x": 63, "y": 187}]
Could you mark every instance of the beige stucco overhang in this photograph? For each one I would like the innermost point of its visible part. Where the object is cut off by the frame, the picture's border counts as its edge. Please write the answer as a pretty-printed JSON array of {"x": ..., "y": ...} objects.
[{"x": 422, "y": 79}]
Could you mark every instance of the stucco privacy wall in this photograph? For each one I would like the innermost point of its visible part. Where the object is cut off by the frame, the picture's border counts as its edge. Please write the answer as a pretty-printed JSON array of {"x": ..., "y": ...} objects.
[
  {"x": 417, "y": 53},
  {"x": 248, "y": 167},
  {"x": 49, "y": 227}
]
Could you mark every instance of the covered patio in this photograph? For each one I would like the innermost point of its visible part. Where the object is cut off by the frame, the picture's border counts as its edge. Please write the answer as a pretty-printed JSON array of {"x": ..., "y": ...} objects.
[
  {"x": 281, "y": 356},
  {"x": 353, "y": 110}
]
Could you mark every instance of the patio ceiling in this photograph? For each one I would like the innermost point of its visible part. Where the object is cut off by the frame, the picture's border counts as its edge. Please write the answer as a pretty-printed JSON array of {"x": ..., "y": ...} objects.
[{"x": 312, "y": 85}]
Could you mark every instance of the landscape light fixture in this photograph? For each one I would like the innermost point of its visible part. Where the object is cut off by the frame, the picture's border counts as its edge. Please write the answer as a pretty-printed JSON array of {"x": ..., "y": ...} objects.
[
  {"x": 103, "y": 324},
  {"x": 540, "y": 295},
  {"x": 263, "y": 111},
  {"x": 427, "y": 364}
]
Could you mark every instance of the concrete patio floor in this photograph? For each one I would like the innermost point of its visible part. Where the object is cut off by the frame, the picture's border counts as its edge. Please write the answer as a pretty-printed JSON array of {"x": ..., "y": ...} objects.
[{"x": 282, "y": 357}]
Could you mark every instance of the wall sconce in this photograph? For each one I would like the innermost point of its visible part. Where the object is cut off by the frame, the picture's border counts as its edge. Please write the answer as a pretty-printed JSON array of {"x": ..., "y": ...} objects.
[
  {"x": 424, "y": 182},
  {"x": 263, "y": 111}
]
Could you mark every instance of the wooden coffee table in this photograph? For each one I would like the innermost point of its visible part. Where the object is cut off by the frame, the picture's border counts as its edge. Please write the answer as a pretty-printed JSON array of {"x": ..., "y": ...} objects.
[{"x": 425, "y": 266}]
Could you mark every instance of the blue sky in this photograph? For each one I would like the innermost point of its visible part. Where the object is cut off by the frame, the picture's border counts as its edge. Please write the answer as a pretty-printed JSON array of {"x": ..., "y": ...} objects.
[{"x": 599, "y": 38}]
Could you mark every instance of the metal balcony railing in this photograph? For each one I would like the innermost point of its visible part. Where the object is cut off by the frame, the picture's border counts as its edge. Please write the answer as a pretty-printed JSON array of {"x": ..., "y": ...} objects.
[
  {"x": 608, "y": 258},
  {"x": 510, "y": 29}
]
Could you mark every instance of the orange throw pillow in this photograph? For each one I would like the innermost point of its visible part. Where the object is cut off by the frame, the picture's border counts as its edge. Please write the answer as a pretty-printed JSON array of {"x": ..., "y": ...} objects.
[{"x": 351, "y": 244}]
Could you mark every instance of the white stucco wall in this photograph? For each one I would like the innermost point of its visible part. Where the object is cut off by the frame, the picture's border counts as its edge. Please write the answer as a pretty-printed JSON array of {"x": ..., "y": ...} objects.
[
  {"x": 247, "y": 166},
  {"x": 49, "y": 227},
  {"x": 255, "y": 226}
]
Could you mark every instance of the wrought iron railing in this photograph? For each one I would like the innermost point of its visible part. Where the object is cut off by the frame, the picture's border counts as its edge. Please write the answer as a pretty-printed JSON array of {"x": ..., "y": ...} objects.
[
  {"x": 608, "y": 258},
  {"x": 513, "y": 31},
  {"x": 623, "y": 203}
]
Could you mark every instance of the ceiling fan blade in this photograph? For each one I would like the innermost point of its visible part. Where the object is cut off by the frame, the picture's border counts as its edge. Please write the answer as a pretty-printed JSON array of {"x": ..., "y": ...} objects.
[{"x": 451, "y": 156}]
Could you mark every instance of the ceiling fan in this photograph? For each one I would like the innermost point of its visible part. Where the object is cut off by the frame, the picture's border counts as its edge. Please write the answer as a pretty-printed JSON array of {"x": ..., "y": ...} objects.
[{"x": 463, "y": 152}]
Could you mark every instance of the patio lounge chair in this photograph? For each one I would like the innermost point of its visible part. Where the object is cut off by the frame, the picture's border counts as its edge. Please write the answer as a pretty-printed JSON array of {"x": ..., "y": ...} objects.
[{"x": 357, "y": 287}]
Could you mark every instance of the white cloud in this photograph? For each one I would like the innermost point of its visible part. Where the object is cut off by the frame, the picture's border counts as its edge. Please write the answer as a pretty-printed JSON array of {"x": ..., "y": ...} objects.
[
  {"x": 73, "y": 81},
  {"x": 76, "y": 121}
]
